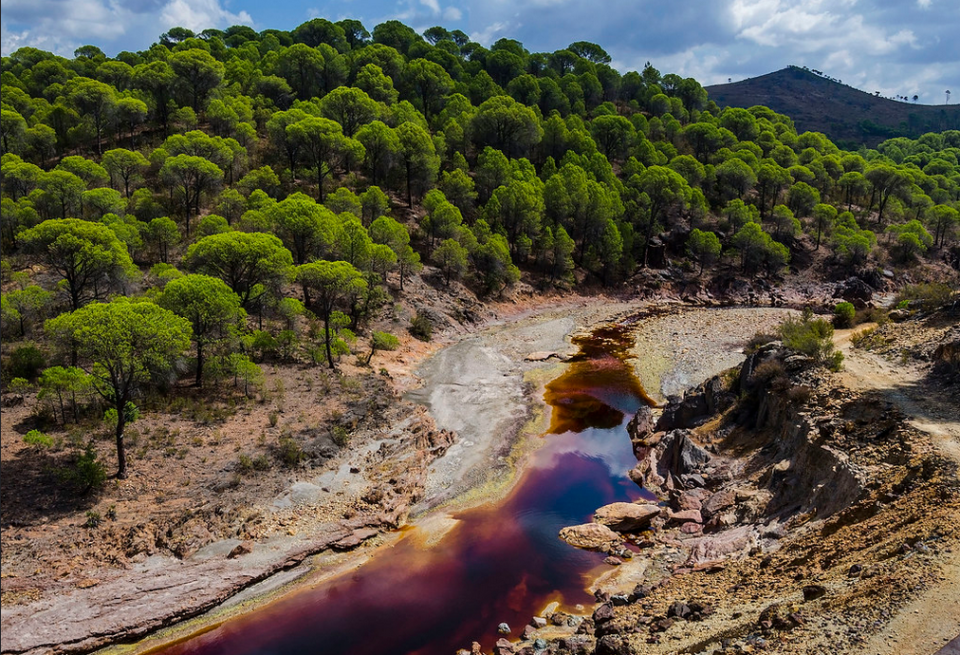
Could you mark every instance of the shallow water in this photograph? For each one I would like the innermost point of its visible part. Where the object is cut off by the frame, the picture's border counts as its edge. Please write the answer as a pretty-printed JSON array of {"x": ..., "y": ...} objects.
[{"x": 500, "y": 563}]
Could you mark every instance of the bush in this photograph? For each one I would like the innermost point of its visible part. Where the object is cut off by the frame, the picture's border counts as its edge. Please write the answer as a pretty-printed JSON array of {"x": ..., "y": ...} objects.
[
  {"x": 844, "y": 315},
  {"x": 93, "y": 520},
  {"x": 26, "y": 362},
  {"x": 421, "y": 327},
  {"x": 290, "y": 452},
  {"x": 929, "y": 295},
  {"x": 87, "y": 473},
  {"x": 757, "y": 340},
  {"x": 808, "y": 335},
  {"x": 38, "y": 440}
]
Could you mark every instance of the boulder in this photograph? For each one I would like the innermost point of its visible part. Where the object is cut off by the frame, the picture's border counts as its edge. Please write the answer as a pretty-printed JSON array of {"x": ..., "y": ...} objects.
[
  {"x": 718, "y": 502},
  {"x": 503, "y": 647},
  {"x": 641, "y": 425},
  {"x": 591, "y": 536},
  {"x": 626, "y": 517},
  {"x": 854, "y": 289},
  {"x": 685, "y": 516}
]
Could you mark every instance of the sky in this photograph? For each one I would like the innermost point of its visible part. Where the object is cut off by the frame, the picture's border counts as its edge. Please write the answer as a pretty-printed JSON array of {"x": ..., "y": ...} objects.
[{"x": 896, "y": 47}]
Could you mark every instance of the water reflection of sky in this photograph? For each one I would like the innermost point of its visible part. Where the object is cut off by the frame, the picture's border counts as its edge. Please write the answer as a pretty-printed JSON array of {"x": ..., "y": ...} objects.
[{"x": 501, "y": 563}]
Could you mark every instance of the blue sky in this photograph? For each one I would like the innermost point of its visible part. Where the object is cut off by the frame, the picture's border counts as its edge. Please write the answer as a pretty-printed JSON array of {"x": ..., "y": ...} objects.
[{"x": 897, "y": 47}]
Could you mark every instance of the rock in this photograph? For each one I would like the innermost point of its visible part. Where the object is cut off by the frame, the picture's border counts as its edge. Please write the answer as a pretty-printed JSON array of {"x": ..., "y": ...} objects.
[
  {"x": 538, "y": 622},
  {"x": 528, "y": 632},
  {"x": 603, "y": 613},
  {"x": 626, "y": 517},
  {"x": 685, "y": 516},
  {"x": 718, "y": 502},
  {"x": 12, "y": 400},
  {"x": 813, "y": 592},
  {"x": 242, "y": 548},
  {"x": 540, "y": 356},
  {"x": 855, "y": 570},
  {"x": 503, "y": 629},
  {"x": 678, "y": 610},
  {"x": 591, "y": 536},
  {"x": 503, "y": 647},
  {"x": 475, "y": 649},
  {"x": 613, "y": 645},
  {"x": 691, "y": 528},
  {"x": 662, "y": 625},
  {"x": 540, "y": 644},
  {"x": 688, "y": 500},
  {"x": 612, "y": 561},
  {"x": 640, "y": 591},
  {"x": 713, "y": 547},
  {"x": 576, "y": 644},
  {"x": 640, "y": 429},
  {"x": 692, "y": 480},
  {"x": 853, "y": 288},
  {"x": 354, "y": 539}
]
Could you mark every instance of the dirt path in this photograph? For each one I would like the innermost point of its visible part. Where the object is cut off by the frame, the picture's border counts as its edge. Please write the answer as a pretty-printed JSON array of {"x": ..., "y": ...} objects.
[
  {"x": 927, "y": 623},
  {"x": 930, "y": 409}
]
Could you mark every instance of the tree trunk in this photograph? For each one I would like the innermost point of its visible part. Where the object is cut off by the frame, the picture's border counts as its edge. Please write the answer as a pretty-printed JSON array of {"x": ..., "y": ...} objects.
[
  {"x": 326, "y": 338},
  {"x": 199, "y": 380},
  {"x": 121, "y": 454},
  {"x": 409, "y": 193}
]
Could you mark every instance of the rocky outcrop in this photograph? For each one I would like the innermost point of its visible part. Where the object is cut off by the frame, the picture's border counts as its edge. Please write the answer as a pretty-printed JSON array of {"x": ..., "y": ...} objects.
[
  {"x": 591, "y": 536},
  {"x": 670, "y": 461},
  {"x": 626, "y": 517}
]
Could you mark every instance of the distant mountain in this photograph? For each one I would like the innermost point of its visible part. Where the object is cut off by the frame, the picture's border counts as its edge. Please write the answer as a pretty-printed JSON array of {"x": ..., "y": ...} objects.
[{"x": 850, "y": 117}]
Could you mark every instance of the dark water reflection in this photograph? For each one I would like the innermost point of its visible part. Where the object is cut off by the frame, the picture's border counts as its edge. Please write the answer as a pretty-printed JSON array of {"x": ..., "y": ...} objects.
[{"x": 501, "y": 563}]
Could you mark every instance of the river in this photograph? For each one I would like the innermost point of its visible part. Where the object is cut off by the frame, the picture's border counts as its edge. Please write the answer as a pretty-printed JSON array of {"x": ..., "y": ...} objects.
[{"x": 501, "y": 562}]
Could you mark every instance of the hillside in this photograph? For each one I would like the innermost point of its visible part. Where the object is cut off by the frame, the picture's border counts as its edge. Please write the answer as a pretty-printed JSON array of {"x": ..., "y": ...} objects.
[{"x": 850, "y": 117}]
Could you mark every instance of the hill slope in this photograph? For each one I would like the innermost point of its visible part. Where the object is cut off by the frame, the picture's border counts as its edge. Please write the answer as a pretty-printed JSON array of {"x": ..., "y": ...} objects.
[{"x": 848, "y": 116}]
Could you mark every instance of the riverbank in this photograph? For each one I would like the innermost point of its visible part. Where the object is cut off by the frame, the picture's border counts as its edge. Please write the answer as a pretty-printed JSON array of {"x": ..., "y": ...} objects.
[{"x": 342, "y": 507}]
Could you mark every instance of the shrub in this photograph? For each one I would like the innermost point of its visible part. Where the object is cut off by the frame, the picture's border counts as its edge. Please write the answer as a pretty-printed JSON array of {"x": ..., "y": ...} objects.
[
  {"x": 757, "y": 340},
  {"x": 844, "y": 315},
  {"x": 808, "y": 335},
  {"x": 93, "y": 520},
  {"x": 340, "y": 436},
  {"x": 38, "y": 440},
  {"x": 87, "y": 472},
  {"x": 26, "y": 362},
  {"x": 290, "y": 452},
  {"x": 421, "y": 327},
  {"x": 799, "y": 394},
  {"x": 21, "y": 386},
  {"x": 929, "y": 295}
]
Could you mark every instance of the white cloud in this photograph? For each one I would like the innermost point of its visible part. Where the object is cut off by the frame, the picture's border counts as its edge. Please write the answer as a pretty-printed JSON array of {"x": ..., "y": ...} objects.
[
  {"x": 198, "y": 15},
  {"x": 62, "y": 25},
  {"x": 923, "y": 4},
  {"x": 432, "y": 5},
  {"x": 486, "y": 35},
  {"x": 452, "y": 14}
]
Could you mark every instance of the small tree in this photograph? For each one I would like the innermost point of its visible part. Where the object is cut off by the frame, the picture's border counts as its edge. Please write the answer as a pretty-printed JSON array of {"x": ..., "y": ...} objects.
[
  {"x": 123, "y": 346},
  {"x": 382, "y": 341},
  {"x": 704, "y": 247},
  {"x": 210, "y": 306},
  {"x": 65, "y": 383},
  {"x": 330, "y": 284},
  {"x": 451, "y": 258}
]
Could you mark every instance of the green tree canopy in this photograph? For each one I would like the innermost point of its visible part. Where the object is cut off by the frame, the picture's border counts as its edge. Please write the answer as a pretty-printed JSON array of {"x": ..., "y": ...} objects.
[
  {"x": 210, "y": 306},
  {"x": 249, "y": 262},
  {"x": 123, "y": 346},
  {"x": 87, "y": 256}
]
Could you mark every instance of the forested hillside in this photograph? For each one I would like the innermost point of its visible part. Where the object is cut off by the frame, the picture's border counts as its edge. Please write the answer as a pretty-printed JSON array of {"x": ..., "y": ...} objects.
[
  {"x": 845, "y": 114},
  {"x": 232, "y": 197}
]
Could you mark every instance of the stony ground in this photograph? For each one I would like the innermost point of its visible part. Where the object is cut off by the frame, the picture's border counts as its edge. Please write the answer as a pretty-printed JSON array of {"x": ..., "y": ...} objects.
[{"x": 878, "y": 575}]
